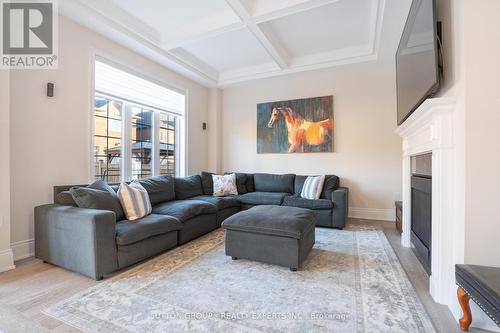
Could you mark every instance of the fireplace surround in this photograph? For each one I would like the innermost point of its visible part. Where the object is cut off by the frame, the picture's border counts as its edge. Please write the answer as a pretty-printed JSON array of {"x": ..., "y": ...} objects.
[{"x": 432, "y": 129}]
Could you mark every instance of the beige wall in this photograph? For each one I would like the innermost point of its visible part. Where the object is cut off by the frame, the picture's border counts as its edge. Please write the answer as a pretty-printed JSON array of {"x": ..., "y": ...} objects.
[
  {"x": 214, "y": 129},
  {"x": 471, "y": 74},
  {"x": 367, "y": 153},
  {"x": 482, "y": 119},
  {"x": 5, "y": 255},
  {"x": 50, "y": 136}
]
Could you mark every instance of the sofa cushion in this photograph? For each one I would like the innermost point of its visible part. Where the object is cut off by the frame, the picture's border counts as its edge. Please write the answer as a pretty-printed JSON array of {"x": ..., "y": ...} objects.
[
  {"x": 187, "y": 187},
  {"x": 128, "y": 232},
  {"x": 282, "y": 221},
  {"x": 98, "y": 195},
  {"x": 331, "y": 184},
  {"x": 250, "y": 185},
  {"x": 265, "y": 182},
  {"x": 185, "y": 209},
  {"x": 220, "y": 202},
  {"x": 65, "y": 198},
  {"x": 299, "y": 184},
  {"x": 296, "y": 201},
  {"x": 262, "y": 198},
  {"x": 159, "y": 188},
  {"x": 207, "y": 182}
]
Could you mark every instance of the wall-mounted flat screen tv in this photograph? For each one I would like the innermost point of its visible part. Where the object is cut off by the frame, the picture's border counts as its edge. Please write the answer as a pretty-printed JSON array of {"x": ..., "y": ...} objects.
[{"x": 417, "y": 64}]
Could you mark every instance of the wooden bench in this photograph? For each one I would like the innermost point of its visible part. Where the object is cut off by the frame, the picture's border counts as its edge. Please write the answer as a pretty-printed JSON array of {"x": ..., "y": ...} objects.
[{"x": 482, "y": 284}]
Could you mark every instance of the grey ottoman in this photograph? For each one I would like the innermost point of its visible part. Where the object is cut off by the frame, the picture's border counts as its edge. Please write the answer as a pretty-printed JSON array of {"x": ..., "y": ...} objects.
[{"x": 272, "y": 234}]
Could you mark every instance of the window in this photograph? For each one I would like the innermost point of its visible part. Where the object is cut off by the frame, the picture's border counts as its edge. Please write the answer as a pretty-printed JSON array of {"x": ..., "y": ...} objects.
[
  {"x": 167, "y": 144},
  {"x": 107, "y": 139},
  {"x": 136, "y": 127}
]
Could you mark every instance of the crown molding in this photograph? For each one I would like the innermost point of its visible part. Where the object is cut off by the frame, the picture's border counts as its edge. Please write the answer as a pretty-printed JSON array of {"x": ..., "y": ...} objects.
[
  {"x": 119, "y": 32},
  {"x": 115, "y": 23}
]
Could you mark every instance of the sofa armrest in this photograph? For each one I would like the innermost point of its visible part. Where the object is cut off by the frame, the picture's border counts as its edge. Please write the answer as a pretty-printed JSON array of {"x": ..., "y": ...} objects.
[
  {"x": 78, "y": 239},
  {"x": 340, "y": 198}
]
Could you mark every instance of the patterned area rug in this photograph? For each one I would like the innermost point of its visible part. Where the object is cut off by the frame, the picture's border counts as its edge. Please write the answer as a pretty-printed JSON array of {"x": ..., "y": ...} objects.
[{"x": 352, "y": 281}]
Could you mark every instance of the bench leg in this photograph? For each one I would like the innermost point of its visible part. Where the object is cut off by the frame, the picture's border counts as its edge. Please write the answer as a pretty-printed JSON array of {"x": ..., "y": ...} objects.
[{"x": 466, "y": 319}]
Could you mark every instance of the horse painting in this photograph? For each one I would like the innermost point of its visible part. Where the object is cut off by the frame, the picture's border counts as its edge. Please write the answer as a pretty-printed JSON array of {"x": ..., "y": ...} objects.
[
  {"x": 301, "y": 131},
  {"x": 298, "y": 126}
]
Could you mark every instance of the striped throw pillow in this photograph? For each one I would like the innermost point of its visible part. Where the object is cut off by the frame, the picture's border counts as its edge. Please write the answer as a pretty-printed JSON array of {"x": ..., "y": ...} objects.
[
  {"x": 135, "y": 200},
  {"x": 313, "y": 186}
]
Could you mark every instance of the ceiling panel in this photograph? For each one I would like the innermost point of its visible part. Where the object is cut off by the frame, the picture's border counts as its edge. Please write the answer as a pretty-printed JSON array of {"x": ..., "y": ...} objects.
[
  {"x": 175, "y": 19},
  {"x": 229, "y": 51},
  {"x": 340, "y": 25}
]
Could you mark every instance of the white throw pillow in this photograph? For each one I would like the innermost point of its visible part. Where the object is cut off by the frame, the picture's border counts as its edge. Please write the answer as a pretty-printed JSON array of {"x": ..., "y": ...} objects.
[
  {"x": 224, "y": 185},
  {"x": 313, "y": 186},
  {"x": 135, "y": 200}
]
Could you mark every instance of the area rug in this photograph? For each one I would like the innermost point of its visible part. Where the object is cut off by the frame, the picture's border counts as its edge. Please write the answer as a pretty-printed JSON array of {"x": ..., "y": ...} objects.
[{"x": 352, "y": 281}]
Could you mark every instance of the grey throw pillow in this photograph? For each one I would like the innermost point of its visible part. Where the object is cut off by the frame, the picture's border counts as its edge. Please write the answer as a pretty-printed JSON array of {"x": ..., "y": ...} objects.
[
  {"x": 98, "y": 195},
  {"x": 65, "y": 198},
  {"x": 187, "y": 187},
  {"x": 207, "y": 183},
  {"x": 159, "y": 188}
]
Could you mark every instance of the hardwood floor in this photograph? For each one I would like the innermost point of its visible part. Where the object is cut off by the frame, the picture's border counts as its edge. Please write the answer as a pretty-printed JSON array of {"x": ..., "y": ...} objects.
[
  {"x": 441, "y": 317},
  {"x": 35, "y": 285}
]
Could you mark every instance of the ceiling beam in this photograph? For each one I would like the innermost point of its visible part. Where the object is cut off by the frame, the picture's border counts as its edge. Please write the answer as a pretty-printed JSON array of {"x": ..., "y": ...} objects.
[
  {"x": 266, "y": 39},
  {"x": 184, "y": 40},
  {"x": 286, "y": 11}
]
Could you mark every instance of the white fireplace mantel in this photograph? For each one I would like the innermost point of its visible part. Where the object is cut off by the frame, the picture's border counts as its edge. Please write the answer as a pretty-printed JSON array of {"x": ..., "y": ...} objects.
[{"x": 431, "y": 129}]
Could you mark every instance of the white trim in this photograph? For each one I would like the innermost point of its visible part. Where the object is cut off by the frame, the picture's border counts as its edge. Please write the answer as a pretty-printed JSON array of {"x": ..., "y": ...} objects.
[
  {"x": 302, "y": 64},
  {"x": 265, "y": 38},
  {"x": 267, "y": 16},
  {"x": 23, "y": 249},
  {"x": 182, "y": 141},
  {"x": 6, "y": 260},
  {"x": 379, "y": 214},
  {"x": 126, "y": 151},
  {"x": 119, "y": 32},
  {"x": 433, "y": 128},
  {"x": 172, "y": 56},
  {"x": 155, "y": 141}
]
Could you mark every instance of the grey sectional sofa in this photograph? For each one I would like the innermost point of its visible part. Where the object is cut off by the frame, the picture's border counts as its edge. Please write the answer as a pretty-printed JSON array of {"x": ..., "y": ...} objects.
[{"x": 93, "y": 243}]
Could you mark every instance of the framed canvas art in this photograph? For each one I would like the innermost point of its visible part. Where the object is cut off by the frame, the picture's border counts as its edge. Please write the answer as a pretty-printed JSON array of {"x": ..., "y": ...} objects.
[{"x": 295, "y": 126}]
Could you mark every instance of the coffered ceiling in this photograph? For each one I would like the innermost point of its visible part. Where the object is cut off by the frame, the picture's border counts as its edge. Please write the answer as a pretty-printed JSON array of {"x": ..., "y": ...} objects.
[{"x": 221, "y": 42}]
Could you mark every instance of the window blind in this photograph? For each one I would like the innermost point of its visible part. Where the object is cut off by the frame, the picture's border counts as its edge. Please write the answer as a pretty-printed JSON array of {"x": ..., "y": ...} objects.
[{"x": 115, "y": 82}]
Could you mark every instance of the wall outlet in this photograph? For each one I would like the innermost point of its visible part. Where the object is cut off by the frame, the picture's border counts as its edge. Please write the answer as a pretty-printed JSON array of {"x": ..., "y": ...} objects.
[{"x": 1, "y": 221}]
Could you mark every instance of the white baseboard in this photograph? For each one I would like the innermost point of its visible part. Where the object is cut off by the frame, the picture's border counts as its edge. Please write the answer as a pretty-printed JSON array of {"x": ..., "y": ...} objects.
[
  {"x": 23, "y": 249},
  {"x": 6, "y": 260},
  {"x": 372, "y": 213}
]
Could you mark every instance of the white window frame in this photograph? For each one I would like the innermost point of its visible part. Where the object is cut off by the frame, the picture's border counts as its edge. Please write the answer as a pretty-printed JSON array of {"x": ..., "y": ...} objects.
[{"x": 180, "y": 147}]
